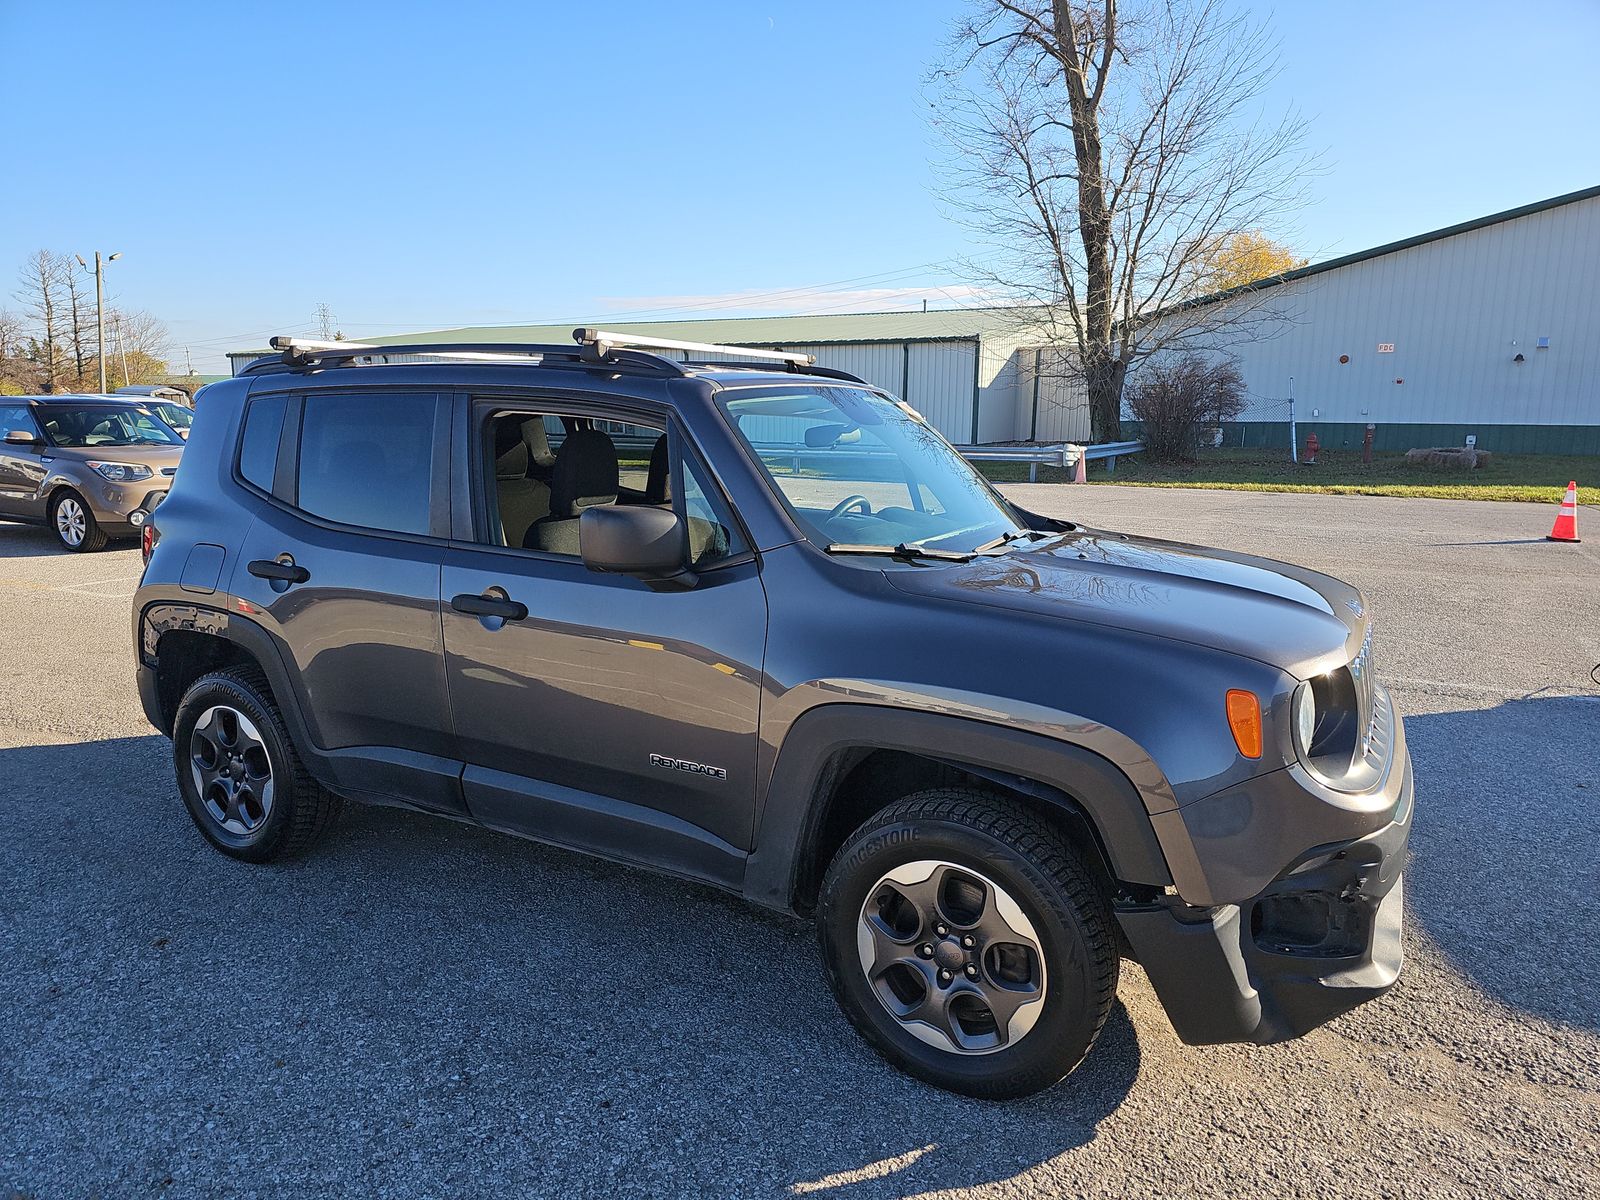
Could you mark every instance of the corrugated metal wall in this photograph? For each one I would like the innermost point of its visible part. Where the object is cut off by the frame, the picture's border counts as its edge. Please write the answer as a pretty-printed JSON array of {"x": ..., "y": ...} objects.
[
  {"x": 1052, "y": 402},
  {"x": 1457, "y": 312},
  {"x": 934, "y": 376}
]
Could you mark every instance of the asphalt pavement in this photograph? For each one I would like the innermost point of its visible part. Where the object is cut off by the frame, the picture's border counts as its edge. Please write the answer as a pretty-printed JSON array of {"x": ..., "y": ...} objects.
[{"x": 420, "y": 1008}]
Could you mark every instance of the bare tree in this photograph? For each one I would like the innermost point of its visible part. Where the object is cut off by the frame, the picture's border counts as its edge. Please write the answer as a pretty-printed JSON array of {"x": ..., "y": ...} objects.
[
  {"x": 80, "y": 314},
  {"x": 1102, "y": 150},
  {"x": 11, "y": 334},
  {"x": 141, "y": 332},
  {"x": 41, "y": 292},
  {"x": 138, "y": 347}
]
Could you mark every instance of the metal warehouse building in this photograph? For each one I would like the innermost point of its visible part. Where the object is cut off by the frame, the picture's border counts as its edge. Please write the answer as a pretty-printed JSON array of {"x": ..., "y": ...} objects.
[
  {"x": 974, "y": 373},
  {"x": 1490, "y": 328}
]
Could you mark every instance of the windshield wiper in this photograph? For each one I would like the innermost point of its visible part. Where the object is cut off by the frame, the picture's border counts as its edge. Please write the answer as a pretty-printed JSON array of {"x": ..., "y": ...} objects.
[
  {"x": 903, "y": 550},
  {"x": 1005, "y": 539}
]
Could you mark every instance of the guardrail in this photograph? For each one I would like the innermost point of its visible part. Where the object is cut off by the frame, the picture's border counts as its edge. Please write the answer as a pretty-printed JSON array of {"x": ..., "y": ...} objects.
[{"x": 1064, "y": 455}]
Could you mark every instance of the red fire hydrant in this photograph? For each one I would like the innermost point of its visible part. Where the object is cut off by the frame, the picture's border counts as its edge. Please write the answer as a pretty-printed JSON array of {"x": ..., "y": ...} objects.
[{"x": 1312, "y": 446}]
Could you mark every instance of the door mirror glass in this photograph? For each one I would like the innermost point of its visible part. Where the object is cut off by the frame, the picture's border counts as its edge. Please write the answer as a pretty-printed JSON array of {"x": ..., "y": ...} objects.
[
  {"x": 632, "y": 540},
  {"x": 22, "y": 437}
]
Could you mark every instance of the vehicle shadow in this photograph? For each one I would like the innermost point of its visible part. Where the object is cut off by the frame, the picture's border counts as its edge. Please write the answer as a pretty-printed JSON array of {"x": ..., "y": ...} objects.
[
  {"x": 1503, "y": 875},
  {"x": 18, "y": 540},
  {"x": 424, "y": 993}
]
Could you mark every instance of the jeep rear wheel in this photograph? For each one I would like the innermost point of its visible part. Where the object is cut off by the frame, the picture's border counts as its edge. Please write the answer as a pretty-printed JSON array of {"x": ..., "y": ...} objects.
[
  {"x": 240, "y": 777},
  {"x": 966, "y": 942}
]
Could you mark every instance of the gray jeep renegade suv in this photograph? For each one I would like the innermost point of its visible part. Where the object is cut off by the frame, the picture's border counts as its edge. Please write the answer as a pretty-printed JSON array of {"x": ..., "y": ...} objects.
[{"x": 759, "y": 625}]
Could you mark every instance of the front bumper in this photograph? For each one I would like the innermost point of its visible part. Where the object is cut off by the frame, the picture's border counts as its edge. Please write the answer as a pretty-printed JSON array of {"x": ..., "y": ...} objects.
[
  {"x": 124, "y": 509},
  {"x": 1315, "y": 937}
]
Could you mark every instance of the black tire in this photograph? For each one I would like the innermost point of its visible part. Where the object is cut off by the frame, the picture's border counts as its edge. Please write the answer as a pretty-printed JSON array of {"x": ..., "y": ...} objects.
[
  {"x": 999, "y": 841},
  {"x": 94, "y": 537},
  {"x": 300, "y": 809}
]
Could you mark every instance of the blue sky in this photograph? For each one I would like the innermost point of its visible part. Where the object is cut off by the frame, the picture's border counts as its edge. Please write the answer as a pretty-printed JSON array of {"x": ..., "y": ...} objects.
[{"x": 423, "y": 165}]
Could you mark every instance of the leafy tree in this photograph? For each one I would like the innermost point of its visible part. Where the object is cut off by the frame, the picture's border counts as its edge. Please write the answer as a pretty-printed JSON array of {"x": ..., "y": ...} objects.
[{"x": 1242, "y": 259}]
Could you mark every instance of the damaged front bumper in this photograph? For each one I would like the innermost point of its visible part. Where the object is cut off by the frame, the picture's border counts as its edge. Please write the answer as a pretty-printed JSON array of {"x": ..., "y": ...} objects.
[{"x": 1313, "y": 940}]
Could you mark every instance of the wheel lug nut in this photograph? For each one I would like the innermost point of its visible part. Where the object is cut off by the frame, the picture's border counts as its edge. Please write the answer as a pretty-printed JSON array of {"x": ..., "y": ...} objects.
[
  {"x": 969, "y": 941},
  {"x": 945, "y": 976},
  {"x": 941, "y": 929},
  {"x": 925, "y": 950},
  {"x": 972, "y": 970}
]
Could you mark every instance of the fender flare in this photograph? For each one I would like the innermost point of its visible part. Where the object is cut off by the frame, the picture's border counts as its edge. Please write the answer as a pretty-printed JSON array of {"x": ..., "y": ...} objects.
[
  {"x": 163, "y": 616},
  {"x": 798, "y": 790}
]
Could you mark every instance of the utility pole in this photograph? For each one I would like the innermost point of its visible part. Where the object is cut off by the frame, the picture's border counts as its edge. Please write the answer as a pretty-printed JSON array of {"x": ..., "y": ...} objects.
[
  {"x": 100, "y": 310},
  {"x": 122, "y": 350},
  {"x": 1294, "y": 451},
  {"x": 325, "y": 322}
]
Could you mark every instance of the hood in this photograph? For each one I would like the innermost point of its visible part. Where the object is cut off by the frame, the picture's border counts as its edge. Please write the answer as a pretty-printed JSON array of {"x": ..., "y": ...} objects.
[
  {"x": 1298, "y": 620},
  {"x": 157, "y": 458}
]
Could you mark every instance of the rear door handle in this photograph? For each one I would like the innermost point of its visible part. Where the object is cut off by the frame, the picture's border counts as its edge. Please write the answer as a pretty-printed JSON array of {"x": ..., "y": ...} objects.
[
  {"x": 281, "y": 569},
  {"x": 493, "y": 603}
]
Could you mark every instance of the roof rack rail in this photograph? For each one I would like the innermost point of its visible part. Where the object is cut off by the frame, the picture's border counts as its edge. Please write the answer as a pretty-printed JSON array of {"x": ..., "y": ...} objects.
[
  {"x": 298, "y": 353},
  {"x": 595, "y": 348},
  {"x": 603, "y": 341}
]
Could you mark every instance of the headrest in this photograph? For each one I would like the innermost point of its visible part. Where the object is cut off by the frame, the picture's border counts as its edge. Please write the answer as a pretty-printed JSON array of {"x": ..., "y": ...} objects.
[
  {"x": 513, "y": 463},
  {"x": 537, "y": 440},
  {"x": 585, "y": 473},
  {"x": 657, "y": 483}
]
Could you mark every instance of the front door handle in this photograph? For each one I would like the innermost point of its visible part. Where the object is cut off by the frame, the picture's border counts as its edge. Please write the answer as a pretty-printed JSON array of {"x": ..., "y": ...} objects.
[
  {"x": 493, "y": 603},
  {"x": 280, "y": 570}
]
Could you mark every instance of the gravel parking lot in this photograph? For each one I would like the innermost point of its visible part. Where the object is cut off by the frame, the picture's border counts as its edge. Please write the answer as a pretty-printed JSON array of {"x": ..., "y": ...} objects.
[{"x": 424, "y": 1009}]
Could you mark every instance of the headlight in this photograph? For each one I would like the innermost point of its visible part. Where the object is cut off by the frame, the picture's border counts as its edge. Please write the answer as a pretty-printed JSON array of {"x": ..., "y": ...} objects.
[
  {"x": 1305, "y": 717},
  {"x": 1326, "y": 714},
  {"x": 118, "y": 472}
]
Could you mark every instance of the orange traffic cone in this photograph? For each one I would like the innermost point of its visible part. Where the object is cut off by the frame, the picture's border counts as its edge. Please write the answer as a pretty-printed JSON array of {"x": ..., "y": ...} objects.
[
  {"x": 1566, "y": 526},
  {"x": 1080, "y": 473}
]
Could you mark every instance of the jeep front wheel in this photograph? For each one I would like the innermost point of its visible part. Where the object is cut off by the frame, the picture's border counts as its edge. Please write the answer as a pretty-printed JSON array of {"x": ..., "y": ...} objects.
[{"x": 967, "y": 943}]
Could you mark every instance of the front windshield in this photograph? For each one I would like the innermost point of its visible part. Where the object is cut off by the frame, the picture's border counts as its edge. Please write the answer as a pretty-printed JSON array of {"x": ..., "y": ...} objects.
[
  {"x": 176, "y": 415},
  {"x": 856, "y": 468},
  {"x": 83, "y": 426}
]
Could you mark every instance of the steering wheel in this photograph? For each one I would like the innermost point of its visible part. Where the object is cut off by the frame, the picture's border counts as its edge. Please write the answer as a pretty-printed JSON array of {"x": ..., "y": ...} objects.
[{"x": 847, "y": 504}]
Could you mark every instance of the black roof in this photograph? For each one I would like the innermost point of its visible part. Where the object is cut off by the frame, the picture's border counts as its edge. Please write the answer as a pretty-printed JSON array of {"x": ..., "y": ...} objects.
[{"x": 517, "y": 356}]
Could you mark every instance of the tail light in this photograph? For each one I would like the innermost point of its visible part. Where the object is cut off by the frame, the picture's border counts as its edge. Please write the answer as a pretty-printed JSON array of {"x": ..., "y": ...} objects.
[{"x": 148, "y": 537}]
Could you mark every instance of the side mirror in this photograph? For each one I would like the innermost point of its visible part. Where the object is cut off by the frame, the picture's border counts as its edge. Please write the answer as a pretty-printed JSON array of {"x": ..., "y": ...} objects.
[
  {"x": 22, "y": 437},
  {"x": 630, "y": 539}
]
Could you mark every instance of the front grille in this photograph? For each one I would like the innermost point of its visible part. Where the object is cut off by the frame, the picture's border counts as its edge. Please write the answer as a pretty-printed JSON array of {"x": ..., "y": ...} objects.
[
  {"x": 169, "y": 472},
  {"x": 1380, "y": 733}
]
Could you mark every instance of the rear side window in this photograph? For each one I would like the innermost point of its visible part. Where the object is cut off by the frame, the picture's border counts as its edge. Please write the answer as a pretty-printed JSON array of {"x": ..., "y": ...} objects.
[
  {"x": 368, "y": 460},
  {"x": 258, "y": 447}
]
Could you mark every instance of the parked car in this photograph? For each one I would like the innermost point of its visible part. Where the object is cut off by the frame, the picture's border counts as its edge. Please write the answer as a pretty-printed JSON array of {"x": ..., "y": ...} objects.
[
  {"x": 172, "y": 405},
  {"x": 91, "y": 467},
  {"x": 761, "y": 626}
]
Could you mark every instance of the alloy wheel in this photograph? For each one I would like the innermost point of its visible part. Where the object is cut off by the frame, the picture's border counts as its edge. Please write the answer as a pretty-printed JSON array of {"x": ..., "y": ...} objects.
[
  {"x": 71, "y": 523},
  {"x": 952, "y": 957},
  {"x": 231, "y": 769}
]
